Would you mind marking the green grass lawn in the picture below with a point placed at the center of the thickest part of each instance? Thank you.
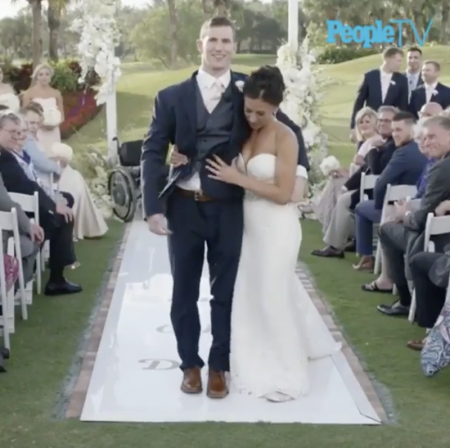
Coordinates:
(45, 346)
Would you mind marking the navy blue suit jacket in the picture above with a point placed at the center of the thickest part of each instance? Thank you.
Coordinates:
(369, 93)
(419, 98)
(174, 122)
(404, 168)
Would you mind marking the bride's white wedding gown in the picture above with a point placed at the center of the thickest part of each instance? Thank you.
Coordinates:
(275, 327)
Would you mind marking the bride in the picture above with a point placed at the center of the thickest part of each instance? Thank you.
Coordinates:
(275, 327)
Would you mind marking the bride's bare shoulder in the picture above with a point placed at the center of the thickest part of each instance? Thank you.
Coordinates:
(284, 133)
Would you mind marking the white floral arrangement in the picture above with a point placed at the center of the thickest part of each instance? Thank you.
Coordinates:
(97, 181)
(10, 101)
(99, 38)
(304, 86)
(329, 164)
(52, 117)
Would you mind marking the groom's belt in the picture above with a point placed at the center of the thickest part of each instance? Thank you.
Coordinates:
(198, 196)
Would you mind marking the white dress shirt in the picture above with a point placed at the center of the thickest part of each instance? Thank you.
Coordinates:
(211, 89)
(429, 90)
(413, 81)
(386, 79)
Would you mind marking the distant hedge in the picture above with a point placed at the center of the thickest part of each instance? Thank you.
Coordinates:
(336, 55)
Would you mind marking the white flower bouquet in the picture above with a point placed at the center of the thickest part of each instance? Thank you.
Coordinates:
(329, 164)
(52, 117)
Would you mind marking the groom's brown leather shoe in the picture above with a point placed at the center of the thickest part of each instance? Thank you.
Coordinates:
(192, 381)
(217, 385)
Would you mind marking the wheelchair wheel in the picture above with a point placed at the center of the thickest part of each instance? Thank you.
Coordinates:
(123, 194)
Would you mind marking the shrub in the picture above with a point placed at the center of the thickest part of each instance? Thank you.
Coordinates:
(79, 109)
(336, 55)
(65, 78)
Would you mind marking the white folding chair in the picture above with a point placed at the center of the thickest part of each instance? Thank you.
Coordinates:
(30, 204)
(436, 225)
(367, 183)
(8, 223)
(393, 193)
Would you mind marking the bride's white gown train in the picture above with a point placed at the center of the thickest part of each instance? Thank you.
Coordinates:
(275, 327)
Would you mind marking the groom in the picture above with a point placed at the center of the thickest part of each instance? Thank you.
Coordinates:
(202, 116)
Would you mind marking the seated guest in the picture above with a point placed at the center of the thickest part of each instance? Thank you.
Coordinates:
(383, 283)
(430, 110)
(430, 274)
(44, 167)
(324, 202)
(31, 235)
(385, 86)
(56, 218)
(89, 221)
(431, 90)
(403, 238)
(341, 226)
(366, 131)
(404, 168)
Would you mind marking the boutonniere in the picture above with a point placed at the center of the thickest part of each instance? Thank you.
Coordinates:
(393, 83)
(434, 92)
(240, 85)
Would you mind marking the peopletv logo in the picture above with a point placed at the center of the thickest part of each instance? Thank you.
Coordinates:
(367, 35)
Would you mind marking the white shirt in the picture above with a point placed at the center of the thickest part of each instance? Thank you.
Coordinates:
(429, 90)
(211, 89)
(413, 81)
(386, 79)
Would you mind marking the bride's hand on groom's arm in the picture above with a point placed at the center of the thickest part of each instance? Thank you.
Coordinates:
(219, 170)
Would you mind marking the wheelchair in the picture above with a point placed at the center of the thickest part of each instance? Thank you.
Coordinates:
(124, 181)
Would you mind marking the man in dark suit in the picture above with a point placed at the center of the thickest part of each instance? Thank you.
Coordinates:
(202, 116)
(404, 168)
(413, 69)
(405, 235)
(430, 274)
(55, 218)
(431, 90)
(383, 86)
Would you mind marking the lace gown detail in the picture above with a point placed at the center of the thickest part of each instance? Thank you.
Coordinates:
(276, 328)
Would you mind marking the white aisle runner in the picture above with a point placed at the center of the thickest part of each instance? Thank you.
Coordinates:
(136, 376)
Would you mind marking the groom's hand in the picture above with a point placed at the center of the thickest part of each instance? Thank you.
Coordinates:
(157, 224)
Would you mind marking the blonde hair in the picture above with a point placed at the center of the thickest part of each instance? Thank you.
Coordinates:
(41, 67)
(364, 112)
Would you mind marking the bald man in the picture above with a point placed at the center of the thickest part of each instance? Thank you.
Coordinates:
(430, 110)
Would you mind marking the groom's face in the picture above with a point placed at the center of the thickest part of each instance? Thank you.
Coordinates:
(217, 47)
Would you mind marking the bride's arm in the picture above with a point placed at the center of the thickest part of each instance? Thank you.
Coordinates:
(285, 172)
(60, 104)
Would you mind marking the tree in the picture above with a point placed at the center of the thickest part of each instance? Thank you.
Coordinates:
(36, 12)
(54, 14)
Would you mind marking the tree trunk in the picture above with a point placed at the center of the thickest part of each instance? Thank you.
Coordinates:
(173, 33)
(54, 13)
(36, 8)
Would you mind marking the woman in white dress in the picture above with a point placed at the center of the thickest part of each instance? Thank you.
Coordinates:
(52, 103)
(89, 221)
(275, 327)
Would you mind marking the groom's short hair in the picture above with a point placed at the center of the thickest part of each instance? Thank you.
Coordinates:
(216, 22)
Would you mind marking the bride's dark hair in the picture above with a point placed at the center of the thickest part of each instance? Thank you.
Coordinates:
(266, 83)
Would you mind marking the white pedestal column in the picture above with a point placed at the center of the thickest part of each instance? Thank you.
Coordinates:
(293, 23)
(111, 125)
